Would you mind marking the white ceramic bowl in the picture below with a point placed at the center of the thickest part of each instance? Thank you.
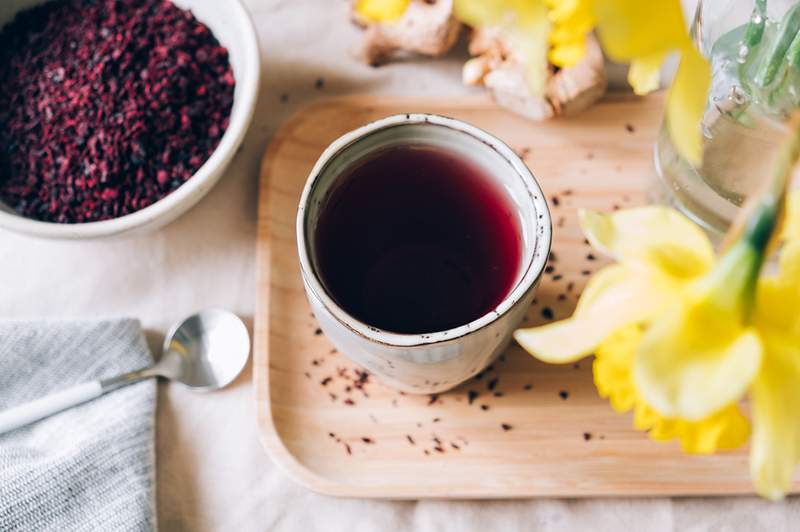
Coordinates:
(231, 24)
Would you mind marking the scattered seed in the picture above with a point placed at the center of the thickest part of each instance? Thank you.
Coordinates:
(527, 387)
(349, 402)
(317, 331)
(492, 384)
(547, 313)
(484, 407)
(587, 436)
(471, 396)
(410, 439)
(629, 128)
(319, 83)
(433, 398)
(563, 394)
(506, 427)
(326, 381)
(368, 441)
(347, 448)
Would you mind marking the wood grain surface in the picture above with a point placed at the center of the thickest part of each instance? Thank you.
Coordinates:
(520, 429)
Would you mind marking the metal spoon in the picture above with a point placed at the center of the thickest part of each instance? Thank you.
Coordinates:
(205, 352)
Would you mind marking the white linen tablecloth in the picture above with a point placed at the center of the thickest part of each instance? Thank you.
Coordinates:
(212, 471)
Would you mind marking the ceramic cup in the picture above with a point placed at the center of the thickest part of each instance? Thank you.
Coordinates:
(431, 362)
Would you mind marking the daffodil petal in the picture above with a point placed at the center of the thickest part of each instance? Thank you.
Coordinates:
(657, 236)
(791, 228)
(694, 360)
(572, 21)
(645, 73)
(686, 103)
(775, 446)
(631, 29)
(778, 296)
(613, 298)
(381, 10)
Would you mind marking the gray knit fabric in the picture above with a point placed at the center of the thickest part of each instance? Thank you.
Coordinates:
(89, 468)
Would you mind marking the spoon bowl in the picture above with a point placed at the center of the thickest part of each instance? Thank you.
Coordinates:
(206, 351)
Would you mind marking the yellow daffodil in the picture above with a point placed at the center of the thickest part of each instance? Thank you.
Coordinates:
(681, 338)
(723, 430)
(661, 257)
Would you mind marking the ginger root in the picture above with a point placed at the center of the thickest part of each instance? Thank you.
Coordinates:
(567, 91)
(426, 27)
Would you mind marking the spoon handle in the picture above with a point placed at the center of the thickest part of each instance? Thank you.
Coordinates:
(22, 415)
(46, 406)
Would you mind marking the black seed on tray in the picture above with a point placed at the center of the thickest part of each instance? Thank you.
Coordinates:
(492, 384)
(484, 407)
(317, 331)
(547, 313)
(563, 394)
(471, 396)
(506, 427)
(587, 436)
(410, 439)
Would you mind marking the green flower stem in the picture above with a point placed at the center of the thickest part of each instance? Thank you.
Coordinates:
(755, 30)
(771, 66)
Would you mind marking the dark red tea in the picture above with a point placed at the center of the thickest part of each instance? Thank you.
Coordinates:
(417, 239)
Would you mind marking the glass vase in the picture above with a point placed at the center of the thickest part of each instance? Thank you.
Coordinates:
(754, 50)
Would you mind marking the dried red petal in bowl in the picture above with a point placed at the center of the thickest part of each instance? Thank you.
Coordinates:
(106, 106)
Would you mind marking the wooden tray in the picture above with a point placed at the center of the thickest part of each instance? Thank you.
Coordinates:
(532, 429)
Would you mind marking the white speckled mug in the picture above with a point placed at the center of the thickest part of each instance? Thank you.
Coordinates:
(430, 362)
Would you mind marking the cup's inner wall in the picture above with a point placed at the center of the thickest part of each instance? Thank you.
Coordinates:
(464, 144)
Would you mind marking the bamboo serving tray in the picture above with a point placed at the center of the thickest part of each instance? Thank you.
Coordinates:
(520, 429)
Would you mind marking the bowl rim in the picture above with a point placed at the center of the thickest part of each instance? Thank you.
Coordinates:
(532, 269)
(189, 193)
